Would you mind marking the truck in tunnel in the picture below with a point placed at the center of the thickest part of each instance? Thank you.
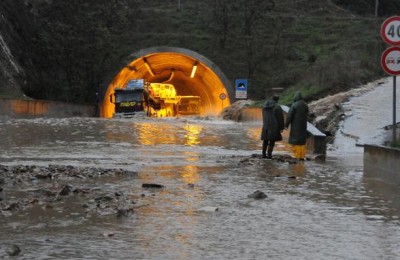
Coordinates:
(128, 102)
(189, 105)
(153, 100)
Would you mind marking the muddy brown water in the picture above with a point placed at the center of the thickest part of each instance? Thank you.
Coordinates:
(326, 210)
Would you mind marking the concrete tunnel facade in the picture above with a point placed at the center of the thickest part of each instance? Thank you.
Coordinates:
(191, 73)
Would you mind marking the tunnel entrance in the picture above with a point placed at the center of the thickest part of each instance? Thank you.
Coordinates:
(191, 74)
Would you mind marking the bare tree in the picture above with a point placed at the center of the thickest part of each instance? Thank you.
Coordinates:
(222, 11)
(254, 12)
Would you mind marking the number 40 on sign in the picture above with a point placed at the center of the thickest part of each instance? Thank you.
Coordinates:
(390, 30)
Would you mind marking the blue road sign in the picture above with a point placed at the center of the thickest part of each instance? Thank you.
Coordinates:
(135, 83)
(241, 88)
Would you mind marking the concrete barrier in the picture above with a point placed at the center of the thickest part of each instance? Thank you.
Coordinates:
(251, 114)
(382, 163)
(38, 108)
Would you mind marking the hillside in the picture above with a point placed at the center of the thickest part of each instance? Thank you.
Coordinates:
(66, 50)
(16, 32)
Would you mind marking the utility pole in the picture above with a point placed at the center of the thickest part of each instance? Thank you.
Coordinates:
(179, 5)
(376, 7)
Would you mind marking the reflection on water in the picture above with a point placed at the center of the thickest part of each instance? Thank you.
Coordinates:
(298, 169)
(313, 210)
(151, 134)
(253, 131)
(192, 135)
(190, 174)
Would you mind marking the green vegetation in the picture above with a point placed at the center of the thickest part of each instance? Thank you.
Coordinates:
(395, 144)
(319, 47)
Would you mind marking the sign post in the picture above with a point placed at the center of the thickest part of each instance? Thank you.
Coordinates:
(390, 61)
(394, 109)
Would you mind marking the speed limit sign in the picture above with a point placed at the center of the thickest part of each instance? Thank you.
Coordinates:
(390, 30)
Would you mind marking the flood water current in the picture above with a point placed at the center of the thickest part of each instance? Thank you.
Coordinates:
(325, 210)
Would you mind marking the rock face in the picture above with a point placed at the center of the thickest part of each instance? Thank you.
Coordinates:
(17, 35)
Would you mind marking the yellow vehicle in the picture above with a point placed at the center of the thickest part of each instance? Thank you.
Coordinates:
(161, 99)
(188, 105)
(162, 91)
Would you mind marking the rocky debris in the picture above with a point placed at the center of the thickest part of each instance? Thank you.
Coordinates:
(388, 127)
(257, 195)
(326, 113)
(47, 187)
(319, 157)
(13, 207)
(118, 194)
(103, 199)
(291, 177)
(13, 250)
(108, 234)
(32, 172)
(66, 190)
(209, 209)
(234, 112)
(152, 186)
(124, 212)
(350, 135)
(45, 192)
(82, 191)
(43, 176)
(281, 158)
(121, 207)
(248, 161)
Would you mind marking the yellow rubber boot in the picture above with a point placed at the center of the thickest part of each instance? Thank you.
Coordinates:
(302, 152)
(299, 151)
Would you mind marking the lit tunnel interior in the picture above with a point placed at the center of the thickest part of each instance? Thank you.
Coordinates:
(191, 74)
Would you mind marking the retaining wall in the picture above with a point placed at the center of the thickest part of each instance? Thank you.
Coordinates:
(38, 108)
(382, 163)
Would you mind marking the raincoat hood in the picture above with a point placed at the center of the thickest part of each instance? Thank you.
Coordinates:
(269, 104)
(297, 96)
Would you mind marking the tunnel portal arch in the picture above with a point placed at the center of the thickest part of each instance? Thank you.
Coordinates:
(174, 66)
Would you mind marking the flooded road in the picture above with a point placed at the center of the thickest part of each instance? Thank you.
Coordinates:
(314, 210)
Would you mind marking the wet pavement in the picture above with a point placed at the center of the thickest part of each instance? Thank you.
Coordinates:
(313, 210)
(365, 117)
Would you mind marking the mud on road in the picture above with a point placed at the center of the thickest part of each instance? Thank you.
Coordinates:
(25, 187)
